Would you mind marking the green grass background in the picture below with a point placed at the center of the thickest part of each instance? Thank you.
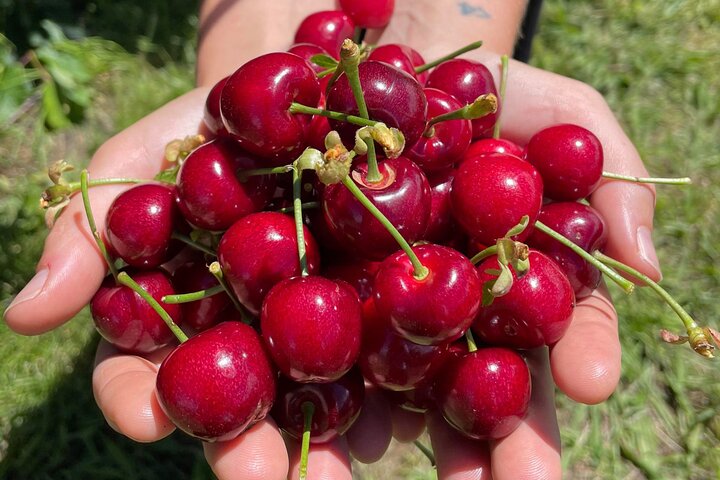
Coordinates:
(656, 61)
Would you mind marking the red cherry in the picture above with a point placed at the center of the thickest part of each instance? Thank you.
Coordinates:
(312, 328)
(491, 193)
(569, 159)
(403, 196)
(212, 117)
(441, 226)
(392, 97)
(585, 227)
(535, 312)
(255, 100)
(126, 320)
(402, 57)
(494, 145)
(369, 13)
(358, 272)
(307, 51)
(259, 251)
(209, 194)
(326, 29)
(193, 276)
(484, 394)
(218, 383)
(337, 406)
(466, 80)
(433, 310)
(140, 223)
(447, 141)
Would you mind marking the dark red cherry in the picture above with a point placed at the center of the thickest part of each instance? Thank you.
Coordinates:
(392, 97)
(358, 272)
(491, 193)
(484, 394)
(584, 226)
(400, 56)
(403, 196)
(140, 223)
(211, 116)
(441, 225)
(336, 406)
(126, 320)
(193, 276)
(209, 193)
(326, 29)
(391, 361)
(259, 251)
(569, 159)
(369, 13)
(436, 309)
(319, 126)
(535, 312)
(445, 142)
(494, 145)
(255, 100)
(312, 328)
(466, 80)
(218, 383)
(307, 51)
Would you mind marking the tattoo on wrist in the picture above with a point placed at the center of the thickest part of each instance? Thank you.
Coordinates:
(467, 9)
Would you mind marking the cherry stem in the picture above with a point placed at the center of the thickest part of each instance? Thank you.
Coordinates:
(192, 296)
(73, 187)
(91, 223)
(426, 451)
(696, 335)
(326, 72)
(624, 283)
(420, 271)
(658, 180)
(243, 174)
(449, 56)
(503, 86)
(472, 346)
(217, 272)
(192, 243)
(306, 205)
(341, 117)
(483, 105)
(297, 211)
(483, 254)
(125, 279)
(350, 59)
(308, 410)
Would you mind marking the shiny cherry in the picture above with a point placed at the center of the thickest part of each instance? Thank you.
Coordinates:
(441, 225)
(466, 80)
(326, 29)
(402, 57)
(307, 51)
(484, 394)
(192, 276)
(211, 116)
(569, 159)
(126, 320)
(312, 328)
(209, 192)
(535, 312)
(369, 13)
(491, 193)
(494, 145)
(336, 406)
(403, 196)
(218, 383)
(584, 226)
(260, 250)
(436, 309)
(255, 100)
(358, 272)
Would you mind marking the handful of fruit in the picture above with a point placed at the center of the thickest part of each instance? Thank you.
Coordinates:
(355, 217)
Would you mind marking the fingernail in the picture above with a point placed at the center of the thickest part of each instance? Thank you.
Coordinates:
(31, 290)
(646, 250)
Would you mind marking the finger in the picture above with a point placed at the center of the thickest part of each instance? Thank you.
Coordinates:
(326, 461)
(532, 451)
(370, 435)
(406, 426)
(257, 454)
(71, 267)
(586, 360)
(124, 389)
(457, 457)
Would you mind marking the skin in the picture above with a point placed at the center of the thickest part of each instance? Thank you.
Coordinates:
(585, 364)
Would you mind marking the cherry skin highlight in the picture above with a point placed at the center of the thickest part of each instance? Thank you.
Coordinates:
(326, 29)
(369, 13)
(400, 56)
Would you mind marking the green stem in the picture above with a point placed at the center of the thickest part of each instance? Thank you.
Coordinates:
(192, 296)
(341, 117)
(658, 180)
(419, 270)
(297, 212)
(483, 105)
(450, 56)
(192, 243)
(472, 346)
(93, 227)
(75, 186)
(124, 279)
(243, 174)
(217, 272)
(483, 254)
(306, 205)
(625, 284)
(426, 451)
(308, 410)
(503, 86)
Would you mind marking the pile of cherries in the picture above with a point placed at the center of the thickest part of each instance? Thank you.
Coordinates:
(326, 237)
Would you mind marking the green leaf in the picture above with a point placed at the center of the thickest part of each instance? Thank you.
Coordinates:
(325, 61)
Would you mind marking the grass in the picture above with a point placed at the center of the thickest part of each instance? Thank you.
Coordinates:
(656, 62)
